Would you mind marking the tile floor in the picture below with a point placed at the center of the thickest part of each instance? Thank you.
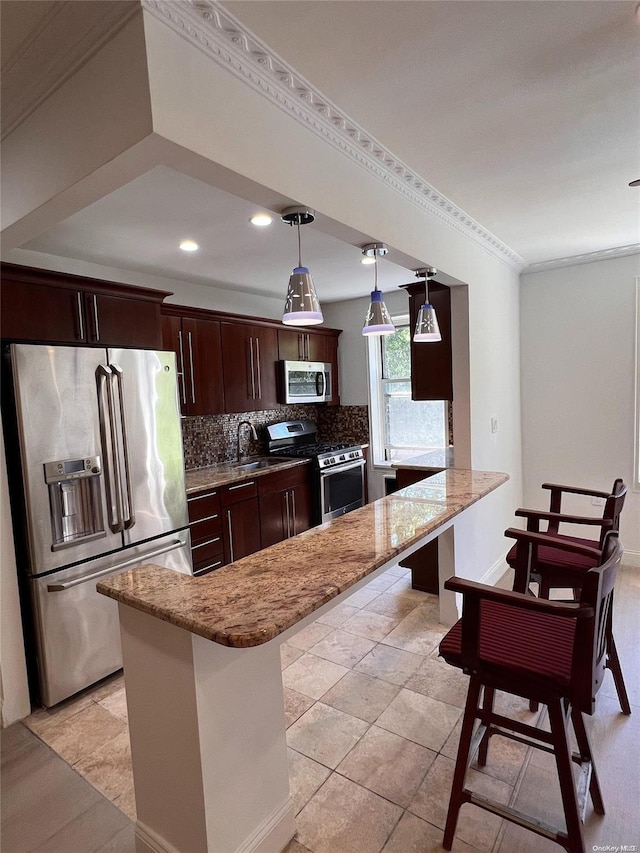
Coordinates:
(373, 719)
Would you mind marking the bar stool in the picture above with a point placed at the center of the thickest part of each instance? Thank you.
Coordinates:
(551, 652)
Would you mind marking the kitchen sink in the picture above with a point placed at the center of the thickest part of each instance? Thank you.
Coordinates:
(255, 464)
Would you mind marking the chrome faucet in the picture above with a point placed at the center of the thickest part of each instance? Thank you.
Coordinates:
(253, 433)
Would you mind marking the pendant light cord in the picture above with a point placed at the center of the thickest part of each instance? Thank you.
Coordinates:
(299, 245)
(375, 274)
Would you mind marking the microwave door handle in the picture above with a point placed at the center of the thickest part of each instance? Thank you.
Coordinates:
(321, 387)
(109, 449)
(130, 519)
(141, 558)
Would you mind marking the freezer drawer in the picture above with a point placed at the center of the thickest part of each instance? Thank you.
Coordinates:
(77, 629)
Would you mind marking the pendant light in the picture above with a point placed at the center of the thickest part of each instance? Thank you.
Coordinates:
(427, 329)
(378, 321)
(302, 306)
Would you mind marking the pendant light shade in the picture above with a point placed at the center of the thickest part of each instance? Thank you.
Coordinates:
(302, 306)
(378, 320)
(427, 329)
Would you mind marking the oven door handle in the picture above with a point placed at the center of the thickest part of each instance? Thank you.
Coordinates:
(347, 466)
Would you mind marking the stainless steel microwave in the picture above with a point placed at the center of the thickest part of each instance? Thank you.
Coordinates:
(305, 382)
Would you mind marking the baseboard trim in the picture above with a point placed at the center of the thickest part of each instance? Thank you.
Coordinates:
(495, 572)
(631, 558)
(274, 833)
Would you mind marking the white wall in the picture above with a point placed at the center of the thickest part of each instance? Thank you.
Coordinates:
(577, 332)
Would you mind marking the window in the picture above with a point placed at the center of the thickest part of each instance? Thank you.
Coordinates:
(400, 426)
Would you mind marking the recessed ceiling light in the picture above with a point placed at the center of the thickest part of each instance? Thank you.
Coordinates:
(261, 220)
(189, 246)
(635, 183)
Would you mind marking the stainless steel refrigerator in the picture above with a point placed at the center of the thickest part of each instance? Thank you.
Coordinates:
(102, 490)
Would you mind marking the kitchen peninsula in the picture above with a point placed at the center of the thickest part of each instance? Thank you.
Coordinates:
(206, 718)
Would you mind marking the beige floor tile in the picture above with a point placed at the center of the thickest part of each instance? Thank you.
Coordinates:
(305, 777)
(361, 696)
(373, 626)
(309, 636)
(416, 633)
(79, 737)
(312, 676)
(107, 686)
(288, 654)
(382, 582)
(389, 663)
(294, 846)
(403, 587)
(440, 681)
(362, 597)
(343, 648)
(395, 606)
(413, 835)
(44, 719)
(420, 718)
(337, 615)
(108, 768)
(387, 765)
(325, 734)
(116, 704)
(475, 826)
(295, 704)
(345, 818)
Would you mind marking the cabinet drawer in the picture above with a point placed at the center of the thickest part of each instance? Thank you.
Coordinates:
(204, 505)
(207, 556)
(205, 528)
(277, 481)
(238, 492)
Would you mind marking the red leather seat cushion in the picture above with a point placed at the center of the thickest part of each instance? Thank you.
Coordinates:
(518, 640)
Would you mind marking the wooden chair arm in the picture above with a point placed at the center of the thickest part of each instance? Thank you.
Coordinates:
(536, 538)
(574, 490)
(557, 517)
(479, 591)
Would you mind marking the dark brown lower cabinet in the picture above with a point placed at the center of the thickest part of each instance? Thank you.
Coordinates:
(285, 504)
(423, 562)
(241, 530)
(205, 525)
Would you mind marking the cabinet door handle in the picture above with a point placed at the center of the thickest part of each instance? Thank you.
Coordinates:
(206, 518)
(286, 500)
(182, 376)
(193, 383)
(80, 317)
(241, 486)
(230, 528)
(95, 317)
(300, 347)
(258, 368)
(293, 506)
(306, 344)
(201, 497)
(204, 544)
(253, 378)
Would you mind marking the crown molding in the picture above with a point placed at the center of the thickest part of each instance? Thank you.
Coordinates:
(215, 31)
(66, 37)
(587, 258)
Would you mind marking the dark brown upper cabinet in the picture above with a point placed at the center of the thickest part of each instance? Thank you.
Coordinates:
(250, 355)
(431, 363)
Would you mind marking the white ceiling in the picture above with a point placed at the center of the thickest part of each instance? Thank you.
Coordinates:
(525, 114)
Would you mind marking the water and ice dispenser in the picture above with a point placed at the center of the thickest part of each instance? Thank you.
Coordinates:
(74, 500)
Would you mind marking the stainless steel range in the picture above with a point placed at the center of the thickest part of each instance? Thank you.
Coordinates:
(338, 468)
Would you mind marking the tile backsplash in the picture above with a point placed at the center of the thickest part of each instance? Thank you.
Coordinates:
(211, 440)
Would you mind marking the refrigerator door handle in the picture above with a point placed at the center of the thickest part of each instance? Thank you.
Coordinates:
(60, 587)
(109, 449)
(130, 518)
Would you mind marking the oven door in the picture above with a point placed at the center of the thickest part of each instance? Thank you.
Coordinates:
(341, 489)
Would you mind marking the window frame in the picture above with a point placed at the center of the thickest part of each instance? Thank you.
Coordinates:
(636, 433)
(376, 400)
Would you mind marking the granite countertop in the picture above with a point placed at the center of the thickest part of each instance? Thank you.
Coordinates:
(199, 479)
(441, 458)
(253, 600)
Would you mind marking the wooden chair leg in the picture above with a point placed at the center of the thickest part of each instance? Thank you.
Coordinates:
(488, 696)
(562, 750)
(584, 748)
(462, 761)
(613, 663)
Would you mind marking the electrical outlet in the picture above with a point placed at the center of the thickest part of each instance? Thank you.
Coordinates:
(494, 425)
(597, 501)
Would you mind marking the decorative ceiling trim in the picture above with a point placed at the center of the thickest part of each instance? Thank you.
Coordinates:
(587, 258)
(67, 36)
(211, 28)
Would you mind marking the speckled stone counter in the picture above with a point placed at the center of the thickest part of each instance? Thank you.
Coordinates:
(257, 598)
(441, 458)
(199, 479)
